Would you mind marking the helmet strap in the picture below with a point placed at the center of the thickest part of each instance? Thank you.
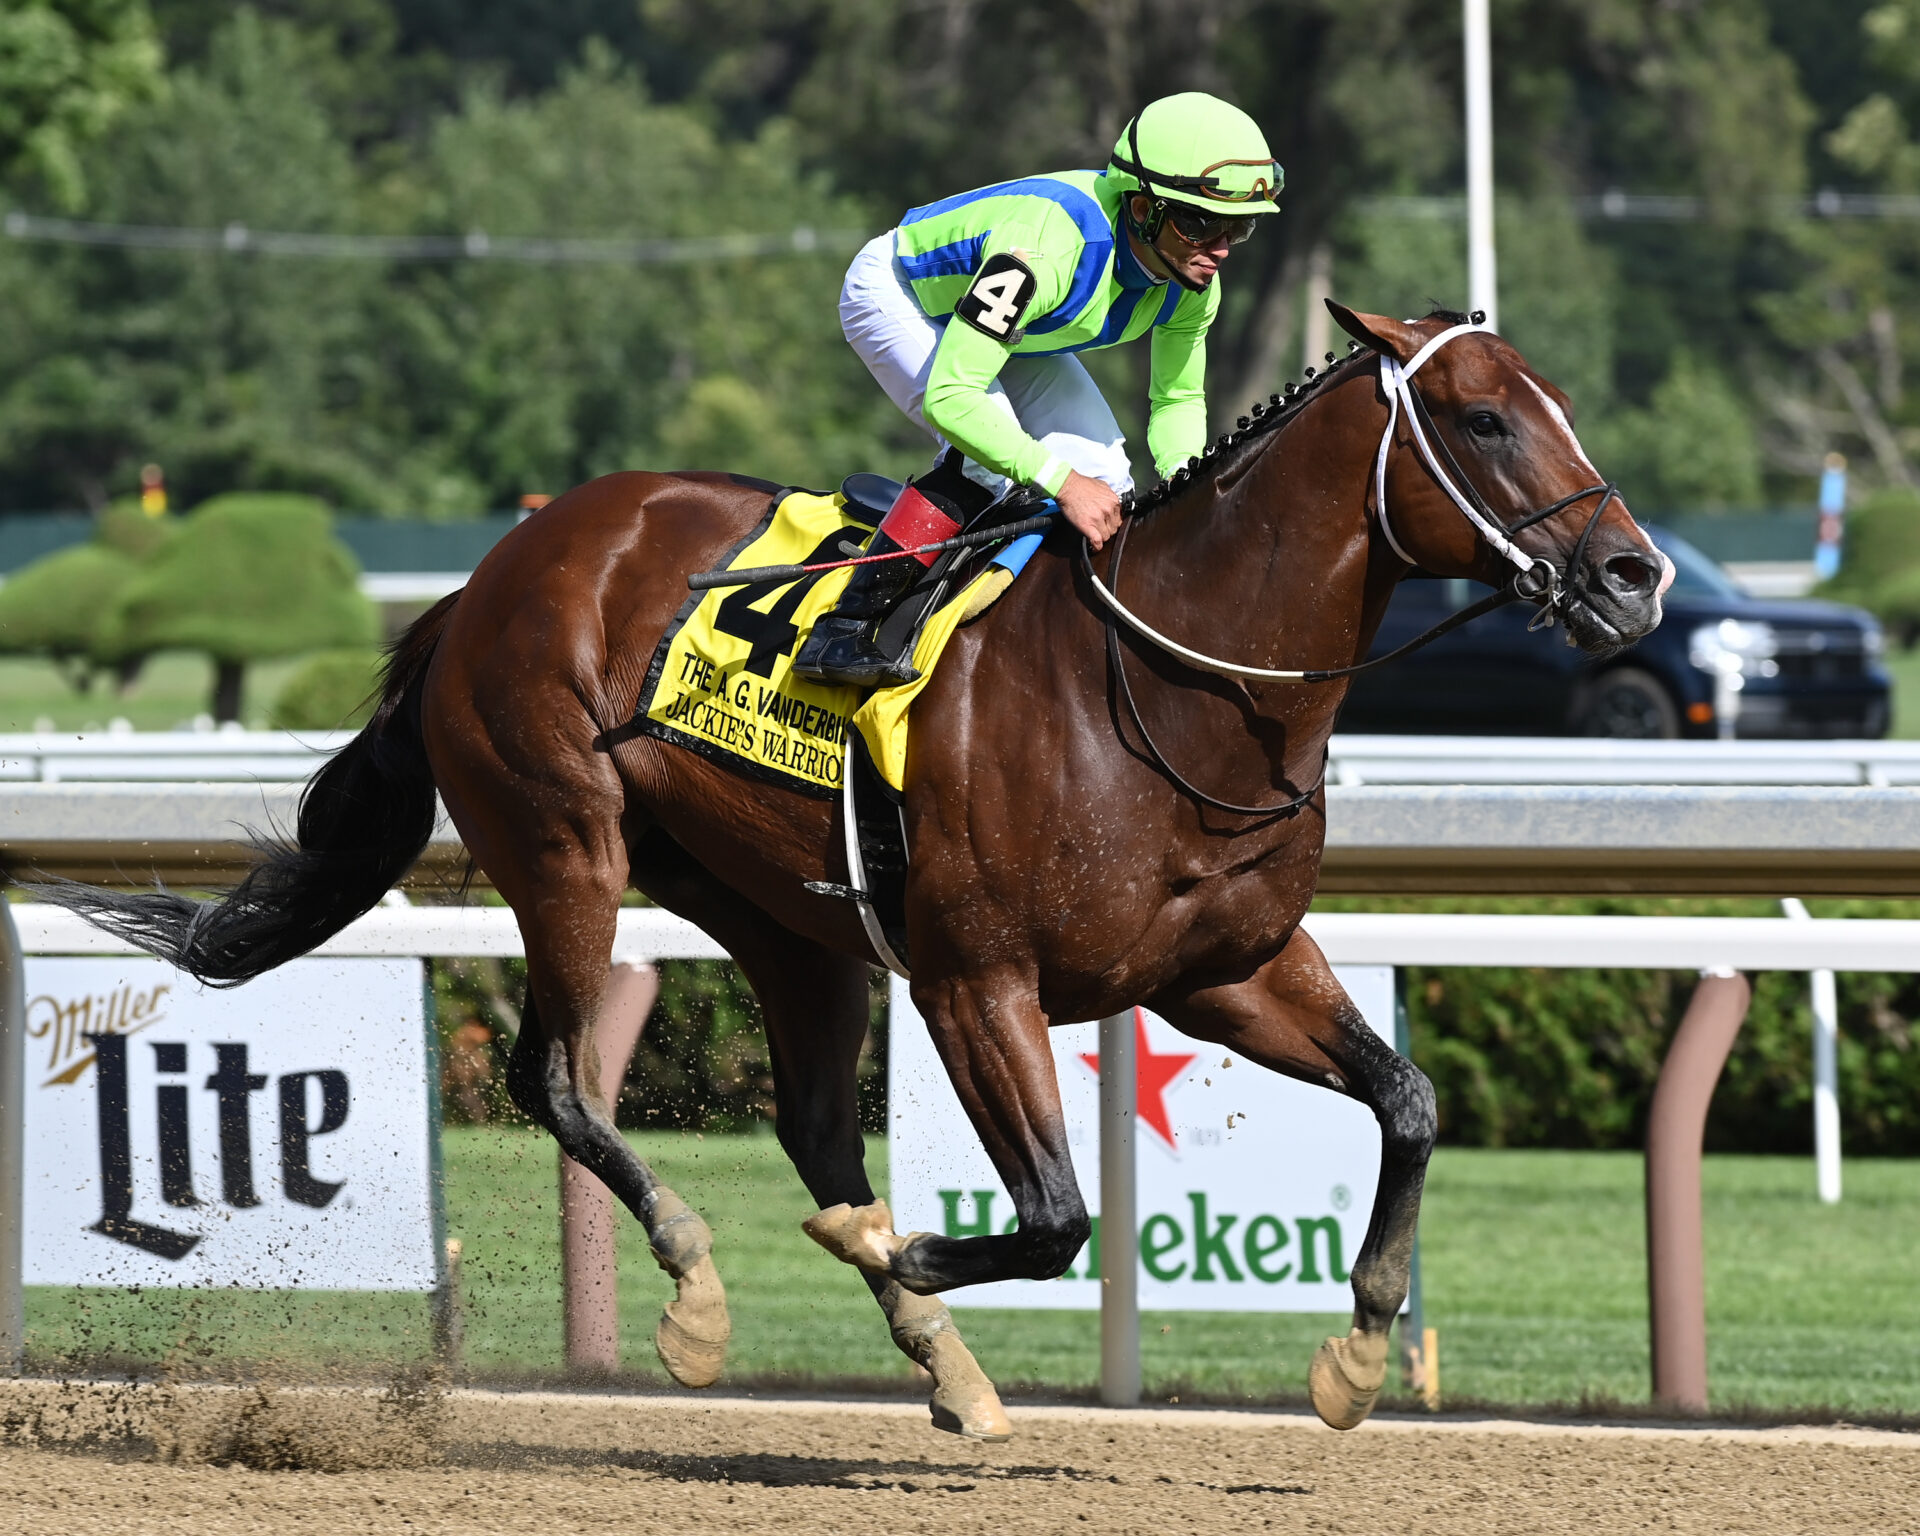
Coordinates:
(1139, 166)
(1146, 230)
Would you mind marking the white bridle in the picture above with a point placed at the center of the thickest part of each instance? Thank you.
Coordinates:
(1397, 380)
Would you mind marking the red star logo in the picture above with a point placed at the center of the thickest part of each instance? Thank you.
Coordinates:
(1151, 1075)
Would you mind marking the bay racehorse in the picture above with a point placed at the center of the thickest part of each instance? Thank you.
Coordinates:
(1094, 821)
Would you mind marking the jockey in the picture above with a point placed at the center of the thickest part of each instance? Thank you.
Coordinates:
(1036, 270)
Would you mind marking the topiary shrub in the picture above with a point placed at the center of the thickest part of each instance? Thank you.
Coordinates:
(1880, 564)
(123, 526)
(1896, 603)
(332, 690)
(56, 607)
(247, 577)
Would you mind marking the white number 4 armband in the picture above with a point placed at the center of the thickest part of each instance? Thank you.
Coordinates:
(997, 301)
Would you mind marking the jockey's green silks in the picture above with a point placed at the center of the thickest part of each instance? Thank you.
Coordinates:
(1089, 292)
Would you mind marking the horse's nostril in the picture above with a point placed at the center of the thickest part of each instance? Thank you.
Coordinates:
(1631, 575)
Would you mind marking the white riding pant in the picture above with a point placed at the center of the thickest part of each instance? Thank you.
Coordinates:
(1054, 399)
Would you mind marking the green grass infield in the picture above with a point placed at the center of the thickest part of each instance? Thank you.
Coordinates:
(1534, 1273)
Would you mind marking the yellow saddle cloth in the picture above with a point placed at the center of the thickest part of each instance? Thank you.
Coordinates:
(721, 682)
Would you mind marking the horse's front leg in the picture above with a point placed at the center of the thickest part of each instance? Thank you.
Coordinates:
(992, 1038)
(1294, 1017)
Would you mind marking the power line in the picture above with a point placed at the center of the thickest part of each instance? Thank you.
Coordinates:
(1611, 206)
(475, 245)
(1616, 206)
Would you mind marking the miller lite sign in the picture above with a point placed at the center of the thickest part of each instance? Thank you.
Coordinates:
(1254, 1191)
(274, 1135)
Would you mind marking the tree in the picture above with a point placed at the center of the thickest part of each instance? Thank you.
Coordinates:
(444, 388)
(511, 378)
(1846, 326)
(68, 68)
(248, 577)
(1358, 97)
(231, 369)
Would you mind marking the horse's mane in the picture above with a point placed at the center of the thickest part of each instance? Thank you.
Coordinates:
(1243, 438)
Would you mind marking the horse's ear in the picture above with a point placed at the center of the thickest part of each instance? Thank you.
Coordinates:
(1394, 337)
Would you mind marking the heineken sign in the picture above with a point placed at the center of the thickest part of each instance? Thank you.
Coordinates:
(1254, 1190)
(272, 1135)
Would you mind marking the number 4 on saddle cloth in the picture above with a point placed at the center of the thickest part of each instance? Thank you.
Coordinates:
(722, 683)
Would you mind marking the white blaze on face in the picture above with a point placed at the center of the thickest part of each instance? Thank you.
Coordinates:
(1560, 418)
(1580, 458)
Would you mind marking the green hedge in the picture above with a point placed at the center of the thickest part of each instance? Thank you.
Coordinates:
(701, 1065)
(1568, 1058)
(1538, 1058)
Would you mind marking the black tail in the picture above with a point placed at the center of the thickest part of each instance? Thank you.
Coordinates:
(364, 819)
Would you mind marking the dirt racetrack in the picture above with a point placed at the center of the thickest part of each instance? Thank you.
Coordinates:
(205, 1462)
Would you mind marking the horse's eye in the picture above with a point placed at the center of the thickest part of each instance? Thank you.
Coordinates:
(1484, 424)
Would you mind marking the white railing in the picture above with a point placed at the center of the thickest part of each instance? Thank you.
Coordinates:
(1347, 938)
(1704, 944)
(225, 756)
(233, 755)
(643, 933)
(1359, 760)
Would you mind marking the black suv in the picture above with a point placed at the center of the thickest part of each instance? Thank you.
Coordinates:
(1803, 668)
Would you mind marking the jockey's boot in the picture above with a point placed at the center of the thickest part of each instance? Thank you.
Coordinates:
(841, 648)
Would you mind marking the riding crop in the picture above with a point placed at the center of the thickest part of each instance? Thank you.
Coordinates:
(759, 575)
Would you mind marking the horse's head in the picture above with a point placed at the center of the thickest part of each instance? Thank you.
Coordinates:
(1503, 436)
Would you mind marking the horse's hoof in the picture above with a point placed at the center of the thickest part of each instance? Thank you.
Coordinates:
(964, 1402)
(1346, 1377)
(859, 1235)
(974, 1415)
(964, 1399)
(694, 1328)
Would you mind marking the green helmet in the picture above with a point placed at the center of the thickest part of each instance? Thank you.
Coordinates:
(1195, 148)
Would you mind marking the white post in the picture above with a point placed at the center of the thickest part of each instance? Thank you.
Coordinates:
(1318, 327)
(1482, 281)
(1826, 1087)
(13, 1144)
(1826, 1073)
(1119, 1219)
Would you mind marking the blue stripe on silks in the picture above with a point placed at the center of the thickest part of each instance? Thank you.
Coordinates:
(1170, 305)
(1087, 273)
(1118, 319)
(1083, 209)
(1127, 271)
(955, 260)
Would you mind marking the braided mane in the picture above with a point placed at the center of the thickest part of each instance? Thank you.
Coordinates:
(1235, 444)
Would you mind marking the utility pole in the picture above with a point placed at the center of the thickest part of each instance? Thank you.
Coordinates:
(1483, 288)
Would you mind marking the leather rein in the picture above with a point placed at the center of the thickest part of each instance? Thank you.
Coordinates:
(1536, 579)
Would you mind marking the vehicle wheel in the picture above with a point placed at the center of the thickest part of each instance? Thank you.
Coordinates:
(1628, 702)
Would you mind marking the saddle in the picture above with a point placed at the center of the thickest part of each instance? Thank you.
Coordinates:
(724, 681)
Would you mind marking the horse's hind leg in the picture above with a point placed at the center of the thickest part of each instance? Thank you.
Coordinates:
(1294, 1017)
(552, 1076)
(815, 1004)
